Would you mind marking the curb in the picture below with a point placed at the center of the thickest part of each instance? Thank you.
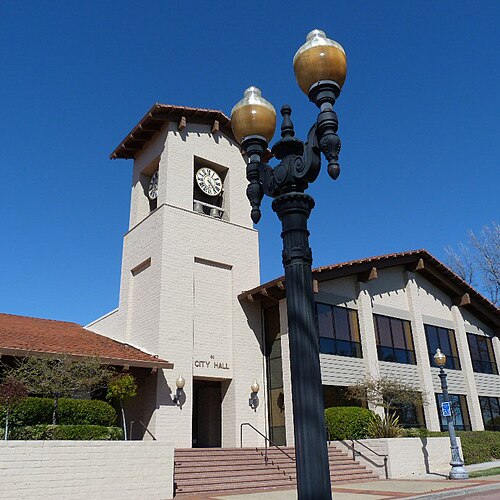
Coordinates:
(456, 493)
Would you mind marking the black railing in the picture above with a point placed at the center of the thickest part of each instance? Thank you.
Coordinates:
(266, 440)
(357, 453)
(132, 422)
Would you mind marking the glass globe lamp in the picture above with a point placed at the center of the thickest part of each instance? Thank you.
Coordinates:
(180, 382)
(319, 59)
(255, 387)
(253, 115)
(439, 358)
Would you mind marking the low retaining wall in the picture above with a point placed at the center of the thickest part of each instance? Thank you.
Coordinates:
(406, 456)
(86, 469)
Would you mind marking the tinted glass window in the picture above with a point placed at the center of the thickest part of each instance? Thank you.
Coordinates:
(338, 331)
(490, 409)
(482, 355)
(443, 339)
(459, 411)
(394, 340)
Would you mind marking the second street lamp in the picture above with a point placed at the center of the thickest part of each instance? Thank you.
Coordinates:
(457, 464)
(320, 69)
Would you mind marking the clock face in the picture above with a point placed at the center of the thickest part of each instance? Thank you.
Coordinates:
(153, 186)
(209, 181)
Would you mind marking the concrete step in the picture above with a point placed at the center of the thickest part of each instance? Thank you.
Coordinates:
(228, 470)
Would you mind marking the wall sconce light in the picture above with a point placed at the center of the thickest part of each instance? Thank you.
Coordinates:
(179, 393)
(253, 402)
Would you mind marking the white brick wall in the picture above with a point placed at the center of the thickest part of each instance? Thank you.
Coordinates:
(184, 307)
(71, 470)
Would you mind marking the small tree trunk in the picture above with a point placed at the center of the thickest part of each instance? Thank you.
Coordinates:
(6, 425)
(54, 412)
(124, 423)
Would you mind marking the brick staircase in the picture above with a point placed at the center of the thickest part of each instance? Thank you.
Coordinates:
(212, 471)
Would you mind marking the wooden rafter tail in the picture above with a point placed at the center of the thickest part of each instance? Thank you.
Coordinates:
(462, 300)
(371, 274)
(182, 123)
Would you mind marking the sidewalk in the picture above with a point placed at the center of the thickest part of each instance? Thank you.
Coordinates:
(422, 487)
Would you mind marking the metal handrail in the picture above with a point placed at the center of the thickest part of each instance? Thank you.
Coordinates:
(132, 422)
(359, 453)
(267, 440)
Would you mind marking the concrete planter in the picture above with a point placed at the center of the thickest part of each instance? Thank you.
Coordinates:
(405, 456)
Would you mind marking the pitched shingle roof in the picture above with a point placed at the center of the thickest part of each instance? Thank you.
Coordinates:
(22, 336)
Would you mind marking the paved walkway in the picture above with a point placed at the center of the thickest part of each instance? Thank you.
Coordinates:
(388, 489)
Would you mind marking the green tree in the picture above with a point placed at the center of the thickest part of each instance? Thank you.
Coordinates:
(121, 388)
(386, 392)
(60, 376)
(11, 392)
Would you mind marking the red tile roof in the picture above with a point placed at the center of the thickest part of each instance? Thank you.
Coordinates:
(22, 335)
(157, 116)
(431, 268)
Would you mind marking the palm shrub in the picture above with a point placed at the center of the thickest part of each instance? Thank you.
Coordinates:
(387, 427)
(347, 422)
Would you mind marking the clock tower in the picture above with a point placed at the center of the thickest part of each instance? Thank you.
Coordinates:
(190, 250)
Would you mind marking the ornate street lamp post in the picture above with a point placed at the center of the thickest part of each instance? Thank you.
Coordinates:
(457, 464)
(320, 69)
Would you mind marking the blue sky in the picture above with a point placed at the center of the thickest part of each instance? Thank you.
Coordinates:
(418, 122)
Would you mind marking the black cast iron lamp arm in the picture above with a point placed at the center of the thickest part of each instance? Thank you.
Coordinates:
(300, 163)
(320, 68)
(457, 464)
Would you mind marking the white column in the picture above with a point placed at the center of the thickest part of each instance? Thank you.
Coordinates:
(367, 336)
(476, 418)
(421, 353)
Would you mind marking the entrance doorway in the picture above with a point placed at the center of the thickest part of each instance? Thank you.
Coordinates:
(207, 415)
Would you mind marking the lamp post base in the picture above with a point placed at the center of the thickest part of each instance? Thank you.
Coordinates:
(458, 473)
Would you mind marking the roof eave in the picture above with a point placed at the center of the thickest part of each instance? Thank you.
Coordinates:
(431, 269)
(154, 120)
(105, 360)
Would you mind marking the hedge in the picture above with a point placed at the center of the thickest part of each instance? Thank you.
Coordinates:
(65, 432)
(35, 411)
(477, 446)
(347, 422)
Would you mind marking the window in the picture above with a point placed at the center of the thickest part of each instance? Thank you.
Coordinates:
(443, 339)
(410, 415)
(482, 355)
(334, 395)
(276, 406)
(459, 412)
(490, 409)
(394, 340)
(338, 331)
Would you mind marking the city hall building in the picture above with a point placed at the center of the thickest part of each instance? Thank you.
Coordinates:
(190, 294)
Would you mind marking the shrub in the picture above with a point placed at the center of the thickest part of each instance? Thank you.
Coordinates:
(36, 411)
(415, 432)
(86, 411)
(347, 422)
(477, 446)
(32, 411)
(387, 427)
(67, 432)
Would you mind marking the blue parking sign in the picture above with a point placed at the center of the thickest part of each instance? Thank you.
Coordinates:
(446, 409)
